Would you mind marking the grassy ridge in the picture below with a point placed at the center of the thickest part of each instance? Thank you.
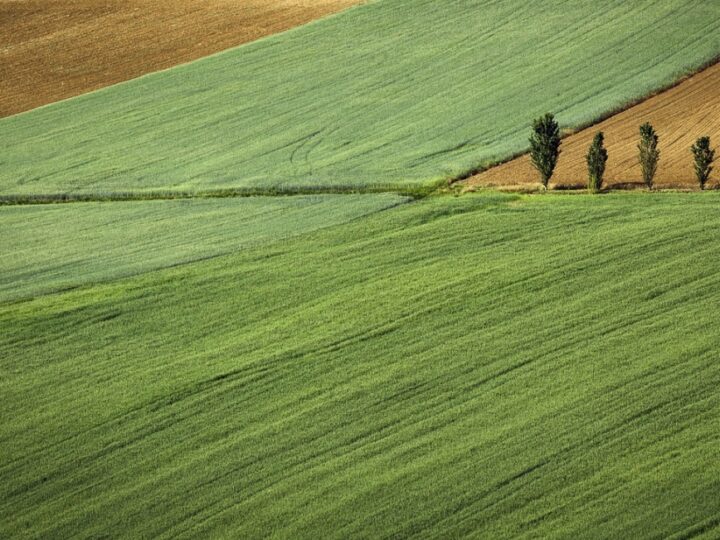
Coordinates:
(485, 365)
(394, 91)
(56, 247)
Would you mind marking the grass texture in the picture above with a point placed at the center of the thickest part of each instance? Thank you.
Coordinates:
(489, 365)
(395, 91)
(55, 247)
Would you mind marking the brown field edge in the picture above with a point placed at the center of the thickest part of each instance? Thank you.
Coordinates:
(680, 115)
(53, 50)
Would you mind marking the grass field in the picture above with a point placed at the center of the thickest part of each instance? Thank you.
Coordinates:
(397, 91)
(491, 365)
(354, 365)
(56, 247)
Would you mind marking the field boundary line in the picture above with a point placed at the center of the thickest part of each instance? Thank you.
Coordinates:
(414, 192)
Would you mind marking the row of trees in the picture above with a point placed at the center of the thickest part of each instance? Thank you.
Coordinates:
(545, 150)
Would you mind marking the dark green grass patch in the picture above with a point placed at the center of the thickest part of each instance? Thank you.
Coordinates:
(489, 365)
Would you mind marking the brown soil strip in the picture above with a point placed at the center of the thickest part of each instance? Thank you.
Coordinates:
(680, 115)
(52, 50)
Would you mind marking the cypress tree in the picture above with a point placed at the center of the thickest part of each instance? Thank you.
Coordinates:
(704, 158)
(596, 159)
(545, 146)
(649, 153)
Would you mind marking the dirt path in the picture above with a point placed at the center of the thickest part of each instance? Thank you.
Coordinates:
(680, 115)
(51, 50)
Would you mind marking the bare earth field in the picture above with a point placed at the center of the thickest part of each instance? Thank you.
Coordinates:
(680, 115)
(54, 50)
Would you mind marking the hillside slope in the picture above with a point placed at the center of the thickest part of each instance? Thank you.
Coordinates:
(491, 366)
(59, 247)
(55, 50)
(396, 91)
(680, 116)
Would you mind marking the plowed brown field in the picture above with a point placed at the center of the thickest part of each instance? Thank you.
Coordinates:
(680, 115)
(51, 50)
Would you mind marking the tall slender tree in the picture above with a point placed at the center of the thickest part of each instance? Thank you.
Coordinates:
(704, 158)
(596, 159)
(545, 146)
(649, 153)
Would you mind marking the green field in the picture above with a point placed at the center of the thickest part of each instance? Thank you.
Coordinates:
(178, 361)
(392, 92)
(56, 247)
(490, 365)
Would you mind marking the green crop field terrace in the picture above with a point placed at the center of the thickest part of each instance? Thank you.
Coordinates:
(181, 360)
(389, 93)
(490, 365)
(56, 247)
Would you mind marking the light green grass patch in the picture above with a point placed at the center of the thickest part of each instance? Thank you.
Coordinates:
(393, 92)
(52, 247)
